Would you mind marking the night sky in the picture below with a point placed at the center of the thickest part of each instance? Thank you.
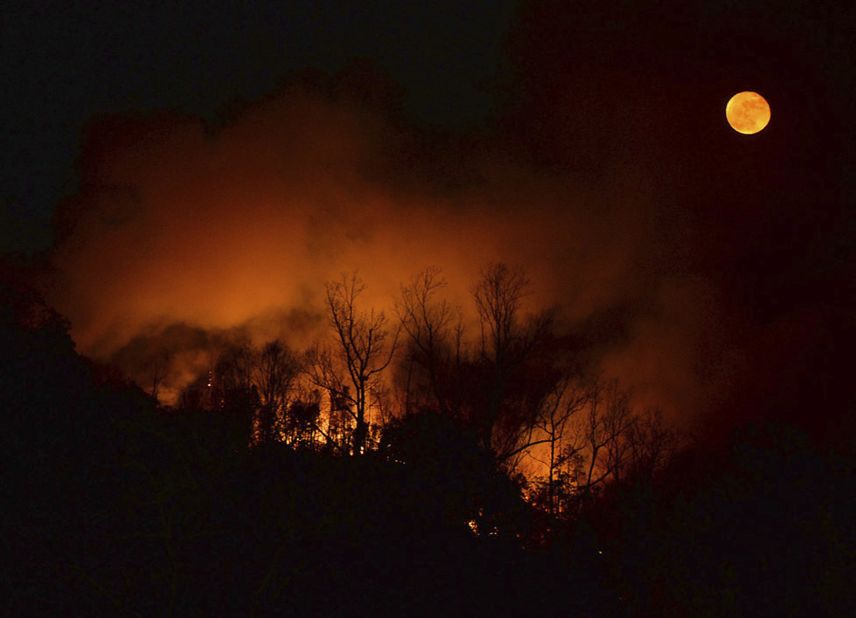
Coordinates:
(711, 271)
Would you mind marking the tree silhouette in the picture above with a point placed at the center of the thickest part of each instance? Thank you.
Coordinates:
(364, 347)
(302, 421)
(114, 505)
(434, 341)
(510, 351)
(553, 428)
(275, 372)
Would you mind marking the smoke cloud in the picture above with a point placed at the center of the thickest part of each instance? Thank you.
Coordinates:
(185, 234)
(182, 236)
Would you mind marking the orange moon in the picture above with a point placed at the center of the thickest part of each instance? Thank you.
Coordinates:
(747, 112)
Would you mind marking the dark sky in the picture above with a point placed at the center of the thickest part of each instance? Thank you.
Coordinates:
(65, 62)
(586, 141)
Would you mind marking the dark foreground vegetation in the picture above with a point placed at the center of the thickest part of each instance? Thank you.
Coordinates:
(114, 506)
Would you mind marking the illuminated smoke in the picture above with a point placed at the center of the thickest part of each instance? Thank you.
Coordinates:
(182, 238)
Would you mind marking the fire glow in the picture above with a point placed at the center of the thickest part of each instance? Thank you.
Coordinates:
(179, 239)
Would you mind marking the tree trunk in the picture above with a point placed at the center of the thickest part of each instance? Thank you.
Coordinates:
(360, 433)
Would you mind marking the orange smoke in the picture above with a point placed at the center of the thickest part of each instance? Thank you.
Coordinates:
(180, 235)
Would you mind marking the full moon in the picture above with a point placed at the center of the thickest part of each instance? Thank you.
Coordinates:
(747, 112)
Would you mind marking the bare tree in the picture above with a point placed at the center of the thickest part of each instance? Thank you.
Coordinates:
(364, 347)
(432, 332)
(498, 296)
(552, 430)
(275, 371)
(593, 436)
(507, 342)
(231, 381)
(322, 370)
(618, 421)
(604, 431)
(650, 444)
(302, 420)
